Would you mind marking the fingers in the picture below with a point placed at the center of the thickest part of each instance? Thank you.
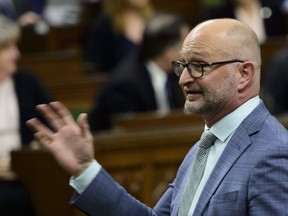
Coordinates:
(42, 133)
(37, 126)
(51, 117)
(56, 114)
(62, 111)
(82, 122)
(57, 117)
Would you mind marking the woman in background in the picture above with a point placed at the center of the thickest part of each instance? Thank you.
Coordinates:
(20, 92)
(115, 33)
(265, 17)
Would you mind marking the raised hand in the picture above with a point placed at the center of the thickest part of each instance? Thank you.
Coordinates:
(70, 142)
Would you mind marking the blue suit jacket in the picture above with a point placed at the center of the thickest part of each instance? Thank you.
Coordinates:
(250, 178)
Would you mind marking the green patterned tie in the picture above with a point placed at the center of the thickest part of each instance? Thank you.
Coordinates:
(206, 141)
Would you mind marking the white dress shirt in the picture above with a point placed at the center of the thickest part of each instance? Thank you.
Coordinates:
(9, 124)
(159, 79)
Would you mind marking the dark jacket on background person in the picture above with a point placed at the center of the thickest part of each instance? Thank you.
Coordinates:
(130, 89)
(30, 92)
(105, 46)
(275, 83)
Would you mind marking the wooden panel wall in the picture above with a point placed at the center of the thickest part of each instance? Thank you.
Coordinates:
(62, 74)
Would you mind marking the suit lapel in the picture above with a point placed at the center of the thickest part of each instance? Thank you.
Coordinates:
(231, 153)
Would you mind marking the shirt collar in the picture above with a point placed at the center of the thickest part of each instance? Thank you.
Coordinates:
(228, 124)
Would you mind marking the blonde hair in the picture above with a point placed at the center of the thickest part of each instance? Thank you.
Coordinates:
(115, 9)
(9, 32)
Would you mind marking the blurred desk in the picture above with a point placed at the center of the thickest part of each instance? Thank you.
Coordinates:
(46, 182)
(154, 120)
(58, 38)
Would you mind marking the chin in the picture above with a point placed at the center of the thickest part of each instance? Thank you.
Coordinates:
(193, 108)
(189, 108)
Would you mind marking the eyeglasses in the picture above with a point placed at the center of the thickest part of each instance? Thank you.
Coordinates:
(196, 69)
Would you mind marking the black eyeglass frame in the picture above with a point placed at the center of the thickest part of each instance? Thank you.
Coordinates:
(202, 65)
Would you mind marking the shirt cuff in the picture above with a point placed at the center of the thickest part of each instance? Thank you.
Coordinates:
(81, 182)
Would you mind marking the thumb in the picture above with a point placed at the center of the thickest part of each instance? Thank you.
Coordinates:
(83, 124)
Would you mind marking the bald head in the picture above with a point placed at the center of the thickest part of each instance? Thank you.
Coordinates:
(228, 37)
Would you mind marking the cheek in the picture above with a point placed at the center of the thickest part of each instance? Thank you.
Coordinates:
(221, 85)
(228, 87)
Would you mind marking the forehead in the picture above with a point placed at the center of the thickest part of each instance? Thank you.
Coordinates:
(198, 46)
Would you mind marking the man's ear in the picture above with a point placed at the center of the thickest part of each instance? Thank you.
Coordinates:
(247, 71)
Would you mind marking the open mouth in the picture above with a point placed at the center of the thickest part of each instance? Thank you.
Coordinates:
(192, 94)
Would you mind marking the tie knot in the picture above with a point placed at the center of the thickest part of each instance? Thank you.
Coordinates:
(207, 139)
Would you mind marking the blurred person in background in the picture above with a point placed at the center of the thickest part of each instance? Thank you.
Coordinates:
(144, 81)
(25, 12)
(115, 33)
(275, 83)
(20, 92)
(265, 17)
(59, 13)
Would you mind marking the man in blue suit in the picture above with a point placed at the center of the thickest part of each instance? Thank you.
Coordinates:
(247, 166)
